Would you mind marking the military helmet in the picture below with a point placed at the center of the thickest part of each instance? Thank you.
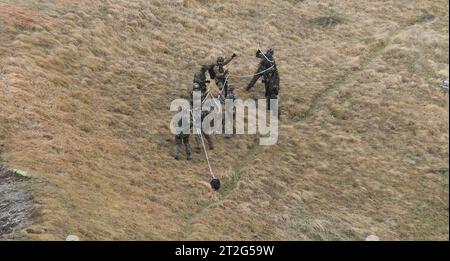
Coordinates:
(196, 86)
(220, 59)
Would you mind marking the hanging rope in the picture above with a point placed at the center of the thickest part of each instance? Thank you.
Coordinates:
(199, 133)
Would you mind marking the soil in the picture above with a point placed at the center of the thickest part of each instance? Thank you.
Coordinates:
(15, 202)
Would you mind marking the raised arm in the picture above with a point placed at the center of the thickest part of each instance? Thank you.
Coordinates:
(227, 61)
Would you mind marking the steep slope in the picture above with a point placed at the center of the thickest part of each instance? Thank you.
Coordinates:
(86, 88)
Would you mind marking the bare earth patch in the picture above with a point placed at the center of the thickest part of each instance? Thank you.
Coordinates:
(15, 203)
(85, 91)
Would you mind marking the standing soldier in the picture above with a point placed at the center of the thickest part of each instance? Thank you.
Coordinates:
(219, 73)
(268, 70)
(180, 139)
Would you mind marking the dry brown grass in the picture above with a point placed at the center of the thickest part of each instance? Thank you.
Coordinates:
(363, 149)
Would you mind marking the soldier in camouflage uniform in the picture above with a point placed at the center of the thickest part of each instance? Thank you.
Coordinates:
(198, 88)
(180, 139)
(219, 73)
(267, 69)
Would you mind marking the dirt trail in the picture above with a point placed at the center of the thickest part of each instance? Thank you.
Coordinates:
(344, 78)
(347, 76)
(86, 109)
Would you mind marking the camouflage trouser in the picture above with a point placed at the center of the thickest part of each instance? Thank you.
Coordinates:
(198, 141)
(273, 96)
(179, 140)
(270, 96)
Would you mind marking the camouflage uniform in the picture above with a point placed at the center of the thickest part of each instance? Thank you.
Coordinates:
(220, 74)
(267, 69)
(180, 139)
(271, 82)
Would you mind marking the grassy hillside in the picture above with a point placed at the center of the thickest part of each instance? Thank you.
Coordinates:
(85, 90)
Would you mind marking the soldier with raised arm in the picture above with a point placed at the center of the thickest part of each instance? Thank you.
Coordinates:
(219, 73)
